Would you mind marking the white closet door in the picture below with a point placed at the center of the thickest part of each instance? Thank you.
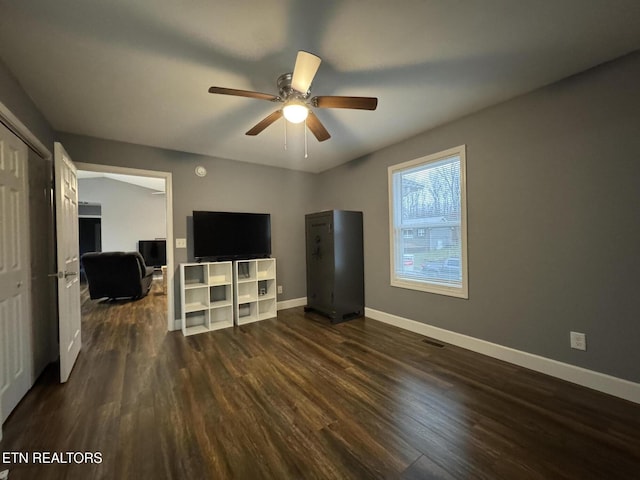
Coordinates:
(15, 315)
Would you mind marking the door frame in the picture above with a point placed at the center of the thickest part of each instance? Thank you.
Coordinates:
(167, 176)
(13, 123)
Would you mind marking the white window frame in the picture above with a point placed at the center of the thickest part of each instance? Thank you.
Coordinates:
(395, 233)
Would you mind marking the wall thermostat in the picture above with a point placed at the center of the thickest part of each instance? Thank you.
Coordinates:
(201, 171)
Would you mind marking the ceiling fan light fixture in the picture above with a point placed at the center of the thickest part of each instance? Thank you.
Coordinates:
(295, 111)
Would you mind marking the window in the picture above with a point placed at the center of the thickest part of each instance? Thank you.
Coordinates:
(428, 196)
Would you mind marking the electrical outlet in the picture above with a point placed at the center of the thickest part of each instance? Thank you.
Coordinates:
(279, 289)
(181, 243)
(578, 340)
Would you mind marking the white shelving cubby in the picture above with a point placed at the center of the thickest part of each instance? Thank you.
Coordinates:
(206, 296)
(255, 290)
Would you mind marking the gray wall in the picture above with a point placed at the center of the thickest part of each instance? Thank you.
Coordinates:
(16, 99)
(553, 184)
(129, 212)
(228, 186)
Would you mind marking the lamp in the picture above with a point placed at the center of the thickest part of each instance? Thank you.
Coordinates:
(295, 111)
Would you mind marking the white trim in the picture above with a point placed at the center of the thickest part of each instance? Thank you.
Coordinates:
(167, 176)
(587, 378)
(426, 285)
(294, 302)
(23, 133)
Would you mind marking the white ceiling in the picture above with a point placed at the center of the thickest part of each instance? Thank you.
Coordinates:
(138, 71)
(152, 183)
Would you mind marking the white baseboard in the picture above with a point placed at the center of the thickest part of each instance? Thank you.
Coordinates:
(294, 302)
(587, 378)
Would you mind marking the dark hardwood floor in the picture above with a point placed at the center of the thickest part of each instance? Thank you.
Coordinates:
(298, 398)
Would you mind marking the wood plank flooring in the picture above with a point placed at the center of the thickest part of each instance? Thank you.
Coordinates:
(298, 398)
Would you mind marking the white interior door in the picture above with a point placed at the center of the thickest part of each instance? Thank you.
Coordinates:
(15, 316)
(66, 188)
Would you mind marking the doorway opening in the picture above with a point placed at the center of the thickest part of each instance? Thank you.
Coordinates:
(159, 186)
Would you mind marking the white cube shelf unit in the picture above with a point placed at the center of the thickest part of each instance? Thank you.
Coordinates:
(255, 290)
(206, 296)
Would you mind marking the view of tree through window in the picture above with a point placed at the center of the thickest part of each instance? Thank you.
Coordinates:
(432, 191)
(427, 222)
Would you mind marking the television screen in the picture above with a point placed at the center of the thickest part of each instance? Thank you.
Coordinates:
(231, 236)
(154, 252)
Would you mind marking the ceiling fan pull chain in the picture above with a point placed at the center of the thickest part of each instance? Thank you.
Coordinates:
(305, 139)
(285, 134)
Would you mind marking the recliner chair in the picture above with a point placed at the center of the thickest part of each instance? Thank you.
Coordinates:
(117, 274)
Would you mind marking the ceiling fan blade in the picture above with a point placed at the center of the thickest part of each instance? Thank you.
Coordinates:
(305, 69)
(316, 127)
(265, 122)
(358, 103)
(243, 93)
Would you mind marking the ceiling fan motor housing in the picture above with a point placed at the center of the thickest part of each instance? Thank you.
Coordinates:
(286, 92)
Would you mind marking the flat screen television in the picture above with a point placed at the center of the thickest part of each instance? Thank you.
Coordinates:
(231, 236)
(154, 252)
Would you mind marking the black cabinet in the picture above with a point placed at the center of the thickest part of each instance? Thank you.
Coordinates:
(335, 264)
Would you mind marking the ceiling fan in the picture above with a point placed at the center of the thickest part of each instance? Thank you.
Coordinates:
(294, 89)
